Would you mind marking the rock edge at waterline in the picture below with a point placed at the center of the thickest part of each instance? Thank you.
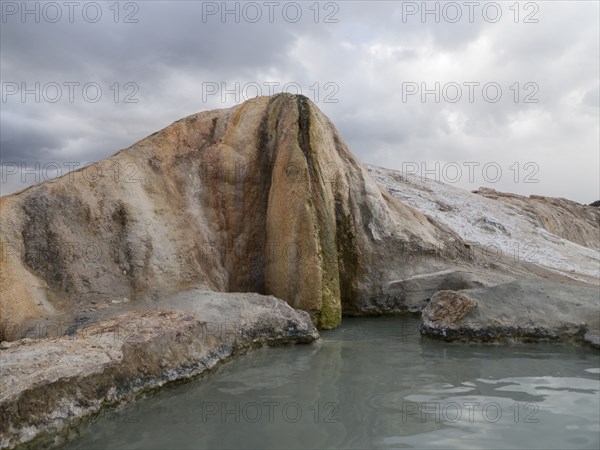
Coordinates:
(47, 385)
(527, 309)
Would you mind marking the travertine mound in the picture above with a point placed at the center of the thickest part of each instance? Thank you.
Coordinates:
(264, 197)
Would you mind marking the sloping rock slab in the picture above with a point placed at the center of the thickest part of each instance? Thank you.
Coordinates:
(529, 310)
(48, 384)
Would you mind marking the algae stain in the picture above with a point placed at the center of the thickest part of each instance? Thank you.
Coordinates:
(330, 315)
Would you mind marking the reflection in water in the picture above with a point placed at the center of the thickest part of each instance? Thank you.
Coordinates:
(374, 383)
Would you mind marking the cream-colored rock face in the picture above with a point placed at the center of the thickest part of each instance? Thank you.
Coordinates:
(263, 197)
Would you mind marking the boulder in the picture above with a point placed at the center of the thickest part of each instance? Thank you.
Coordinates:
(447, 309)
(412, 294)
(526, 309)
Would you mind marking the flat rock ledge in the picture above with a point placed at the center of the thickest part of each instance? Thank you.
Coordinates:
(522, 310)
(49, 385)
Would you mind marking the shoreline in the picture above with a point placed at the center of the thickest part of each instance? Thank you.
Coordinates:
(148, 350)
(52, 384)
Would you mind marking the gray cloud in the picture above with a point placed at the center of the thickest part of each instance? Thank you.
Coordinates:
(369, 53)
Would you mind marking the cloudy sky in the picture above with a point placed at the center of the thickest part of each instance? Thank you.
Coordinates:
(497, 94)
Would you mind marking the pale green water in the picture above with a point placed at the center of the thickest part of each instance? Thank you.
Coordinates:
(372, 384)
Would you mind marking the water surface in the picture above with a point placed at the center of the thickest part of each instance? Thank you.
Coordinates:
(373, 383)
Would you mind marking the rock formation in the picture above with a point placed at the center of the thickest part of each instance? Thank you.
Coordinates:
(189, 226)
(534, 271)
(526, 309)
(48, 384)
(525, 236)
(558, 216)
(264, 197)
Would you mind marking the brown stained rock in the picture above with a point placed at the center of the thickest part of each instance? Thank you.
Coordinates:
(448, 308)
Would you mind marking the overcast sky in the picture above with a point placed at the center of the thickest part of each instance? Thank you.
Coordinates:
(365, 64)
